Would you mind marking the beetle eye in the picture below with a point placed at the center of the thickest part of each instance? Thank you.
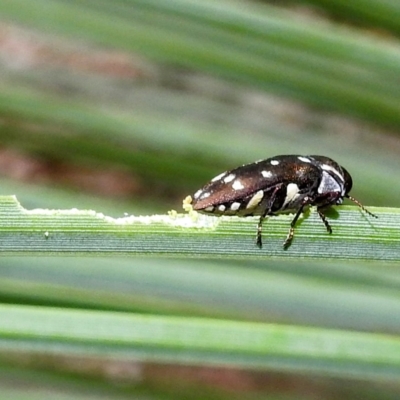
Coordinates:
(348, 182)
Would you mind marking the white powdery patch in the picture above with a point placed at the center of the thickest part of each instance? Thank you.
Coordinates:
(70, 212)
(197, 194)
(237, 185)
(292, 192)
(221, 208)
(229, 178)
(255, 200)
(304, 159)
(235, 206)
(218, 177)
(274, 162)
(191, 220)
(205, 195)
(266, 174)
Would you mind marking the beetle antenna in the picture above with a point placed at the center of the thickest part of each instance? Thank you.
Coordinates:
(361, 206)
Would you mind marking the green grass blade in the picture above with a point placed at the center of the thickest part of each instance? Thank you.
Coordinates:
(372, 13)
(255, 45)
(361, 297)
(356, 236)
(190, 340)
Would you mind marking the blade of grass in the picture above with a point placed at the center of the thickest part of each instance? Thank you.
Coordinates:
(385, 14)
(200, 341)
(365, 83)
(305, 293)
(355, 236)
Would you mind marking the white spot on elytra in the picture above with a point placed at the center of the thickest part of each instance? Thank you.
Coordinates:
(326, 167)
(235, 206)
(205, 195)
(229, 178)
(304, 159)
(209, 209)
(274, 162)
(266, 174)
(221, 208)
(255, 200)
(197, 194)
(218, 177)
(237, 185)
(292, 192)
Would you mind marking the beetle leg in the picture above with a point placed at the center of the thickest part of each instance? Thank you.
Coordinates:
(268, 211)
(290, 235)
(259, 232)
(325, 221)
(259, 227)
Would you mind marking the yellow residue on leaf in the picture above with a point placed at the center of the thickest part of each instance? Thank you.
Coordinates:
(187, 204)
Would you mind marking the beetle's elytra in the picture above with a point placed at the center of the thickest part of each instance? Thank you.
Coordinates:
(279, 184)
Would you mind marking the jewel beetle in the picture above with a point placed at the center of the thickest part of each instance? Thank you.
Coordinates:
(285, 183)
